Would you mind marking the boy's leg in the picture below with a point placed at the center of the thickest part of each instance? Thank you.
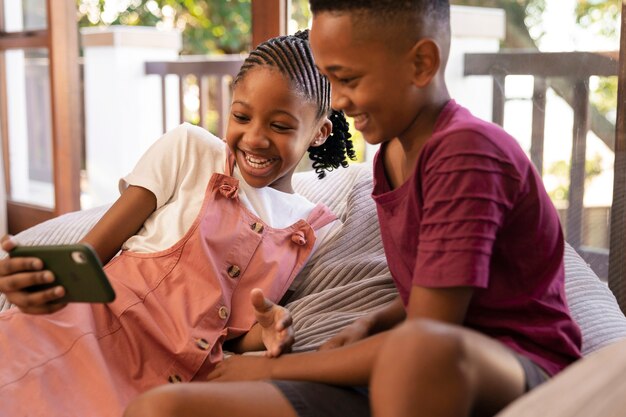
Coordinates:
(212, 399)
(428, 368)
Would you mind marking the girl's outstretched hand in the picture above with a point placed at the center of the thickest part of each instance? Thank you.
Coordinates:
(275, 321)
(17, 274)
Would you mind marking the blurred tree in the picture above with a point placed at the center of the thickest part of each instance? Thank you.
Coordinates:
(208, 26)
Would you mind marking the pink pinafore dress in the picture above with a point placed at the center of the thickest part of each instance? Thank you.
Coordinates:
(173, 311)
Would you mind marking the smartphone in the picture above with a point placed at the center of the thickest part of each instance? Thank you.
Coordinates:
(76, 267)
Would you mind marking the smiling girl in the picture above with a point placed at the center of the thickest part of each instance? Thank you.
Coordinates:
(203, 225)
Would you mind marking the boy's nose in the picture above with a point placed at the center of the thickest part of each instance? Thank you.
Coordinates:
(339, 101)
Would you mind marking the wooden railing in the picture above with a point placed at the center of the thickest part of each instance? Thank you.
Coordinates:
(222, 67)
(568, 74)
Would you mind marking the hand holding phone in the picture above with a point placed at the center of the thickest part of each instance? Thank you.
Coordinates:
(75, 267)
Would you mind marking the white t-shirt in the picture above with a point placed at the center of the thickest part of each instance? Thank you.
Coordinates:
(177, 169)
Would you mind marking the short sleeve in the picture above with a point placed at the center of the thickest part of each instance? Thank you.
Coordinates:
(468, 189)
(166, 164)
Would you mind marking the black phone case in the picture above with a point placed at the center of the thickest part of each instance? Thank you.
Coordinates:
(76, 267)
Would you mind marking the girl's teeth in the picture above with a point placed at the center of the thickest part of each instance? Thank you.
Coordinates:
(258, 163)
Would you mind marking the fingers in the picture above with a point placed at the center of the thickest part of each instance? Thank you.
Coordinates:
(263, 308)
(284, 346)
(260, 303)
(332, 343)
(38, 302)
(9, 266)
(7, 243)
(18, 275)
(20, 281)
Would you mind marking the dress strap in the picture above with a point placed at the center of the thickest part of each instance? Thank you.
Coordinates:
(320, 216)
(229, 166)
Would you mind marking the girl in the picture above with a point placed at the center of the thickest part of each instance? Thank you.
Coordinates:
(201, 224)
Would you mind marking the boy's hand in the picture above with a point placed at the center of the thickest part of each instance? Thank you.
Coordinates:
(17, 274)
(358, 330)
(275, 321)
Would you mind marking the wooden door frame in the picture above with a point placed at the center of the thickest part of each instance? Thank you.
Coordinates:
(617, 245)
(269, 19)
(60, 38)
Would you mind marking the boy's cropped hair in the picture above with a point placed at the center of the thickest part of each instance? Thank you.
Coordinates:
(437, 10)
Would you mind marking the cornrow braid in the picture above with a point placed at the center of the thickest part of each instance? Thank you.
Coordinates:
(291, 55)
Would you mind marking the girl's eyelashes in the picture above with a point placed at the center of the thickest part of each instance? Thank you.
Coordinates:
(280, 127)
(241, 118)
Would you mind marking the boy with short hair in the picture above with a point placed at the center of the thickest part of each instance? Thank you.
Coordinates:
(472, 240)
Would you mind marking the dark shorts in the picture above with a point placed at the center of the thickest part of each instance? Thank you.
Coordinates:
(535, 375)
(310, 399)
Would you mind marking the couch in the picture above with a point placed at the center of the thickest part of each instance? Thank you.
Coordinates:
(348, 276)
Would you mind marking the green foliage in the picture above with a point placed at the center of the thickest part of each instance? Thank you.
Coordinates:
(208, 26)
(560, 170)
(601, 16)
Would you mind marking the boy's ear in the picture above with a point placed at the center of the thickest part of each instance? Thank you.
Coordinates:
(323, 132)
(426, 60)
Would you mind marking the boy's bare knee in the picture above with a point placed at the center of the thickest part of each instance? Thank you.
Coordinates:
(436, 346)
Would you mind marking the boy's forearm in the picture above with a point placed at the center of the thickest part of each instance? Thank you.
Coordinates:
(348, 365)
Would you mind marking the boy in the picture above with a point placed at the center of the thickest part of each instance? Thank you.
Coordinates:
(472, 241)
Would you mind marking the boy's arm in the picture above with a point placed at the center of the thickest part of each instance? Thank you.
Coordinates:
(443, 304)
(350, 364)
(347, 365)
(375, 322)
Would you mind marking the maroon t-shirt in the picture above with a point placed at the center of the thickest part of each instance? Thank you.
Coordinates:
(475, 213)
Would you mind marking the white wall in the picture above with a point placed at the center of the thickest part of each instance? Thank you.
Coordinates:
(122, 105)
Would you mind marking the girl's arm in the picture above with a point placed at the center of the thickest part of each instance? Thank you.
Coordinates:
(272, 331)
(121, 221)
(125, 217)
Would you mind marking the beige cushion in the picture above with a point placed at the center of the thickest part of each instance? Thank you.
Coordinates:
(348, 276)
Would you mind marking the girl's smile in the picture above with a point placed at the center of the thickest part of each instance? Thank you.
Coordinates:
(270, 128)
(259, 163)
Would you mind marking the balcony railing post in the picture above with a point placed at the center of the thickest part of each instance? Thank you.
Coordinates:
(497, 114)
(577, 167)
(539, 123)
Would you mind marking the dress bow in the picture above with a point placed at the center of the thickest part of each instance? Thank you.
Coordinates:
(228, 191)
(298, 238)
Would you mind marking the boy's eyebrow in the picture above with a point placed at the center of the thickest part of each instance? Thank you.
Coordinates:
(332, 68)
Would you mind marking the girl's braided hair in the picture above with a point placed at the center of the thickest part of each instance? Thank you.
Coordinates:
(291, 55)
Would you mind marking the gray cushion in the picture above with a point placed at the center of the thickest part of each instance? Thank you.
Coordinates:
(348, 275)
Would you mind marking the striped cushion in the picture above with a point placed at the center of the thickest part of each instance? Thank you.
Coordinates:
(348, 275)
